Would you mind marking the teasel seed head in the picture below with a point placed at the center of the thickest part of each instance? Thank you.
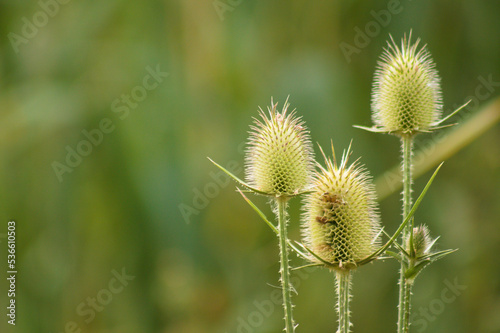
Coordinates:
(279, 158)
(406, 96)
(341, 222)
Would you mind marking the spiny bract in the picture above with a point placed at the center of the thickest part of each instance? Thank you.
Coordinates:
(279, 158)
(340, 220)
(406, 96)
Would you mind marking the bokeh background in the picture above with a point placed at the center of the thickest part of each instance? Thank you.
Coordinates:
(145, 200)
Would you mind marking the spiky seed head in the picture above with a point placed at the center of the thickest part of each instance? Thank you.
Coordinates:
(340, 219)
(406, 96)
(421, 241)
(279, 159)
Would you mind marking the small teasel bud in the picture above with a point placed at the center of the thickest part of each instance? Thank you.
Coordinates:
(340, 219)
(406, 96)
(279, 159)
(421, 241)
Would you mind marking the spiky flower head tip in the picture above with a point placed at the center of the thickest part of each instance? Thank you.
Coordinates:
(406, 96)
(279, 159)
(341, 223)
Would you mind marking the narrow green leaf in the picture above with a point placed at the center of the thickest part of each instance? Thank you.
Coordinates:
(242, 183)
(406, 220)
(371, 129)
(451, 115)
(306, 266)
(299, 252)
(412, 273)
(314, 254)
(382, 231)
(270, 224)
(394, 255)
(261, 214)
(435, 128)
(429, 247)
(399, 247)
(438, 255)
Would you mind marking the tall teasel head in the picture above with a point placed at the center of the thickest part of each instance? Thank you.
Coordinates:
(279, 159)
(406, 96)
(341, 222)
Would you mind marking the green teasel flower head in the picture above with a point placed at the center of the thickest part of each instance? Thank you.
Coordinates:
(341, 223)
(419, 253)
(279, 157)
(406, 96)
(422, 242)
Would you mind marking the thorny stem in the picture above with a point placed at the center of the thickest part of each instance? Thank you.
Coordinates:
(407, 305)
(401, 306)
(286, 286)
(404, 288)
(343, 279)
(407, 178)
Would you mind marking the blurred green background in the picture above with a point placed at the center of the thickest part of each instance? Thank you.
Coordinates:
(133, 203)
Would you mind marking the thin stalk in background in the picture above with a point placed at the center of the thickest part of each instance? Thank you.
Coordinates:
(286, 286)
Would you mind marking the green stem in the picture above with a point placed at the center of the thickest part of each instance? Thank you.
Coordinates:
(343, 299)
(286, 286)
(407, 177)
(401, 306)
(404, 289)
(407, 305)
